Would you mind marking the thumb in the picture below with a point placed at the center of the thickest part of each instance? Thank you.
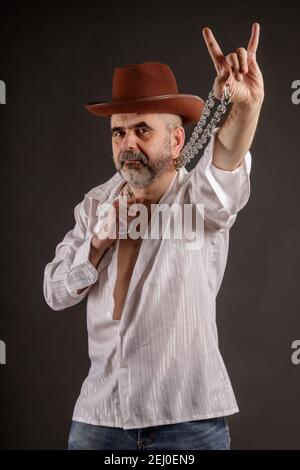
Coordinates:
(223, 74)
(219, 87)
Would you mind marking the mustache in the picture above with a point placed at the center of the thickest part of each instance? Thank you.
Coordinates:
(132, 156)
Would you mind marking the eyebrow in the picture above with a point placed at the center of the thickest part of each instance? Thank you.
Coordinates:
(134, 126)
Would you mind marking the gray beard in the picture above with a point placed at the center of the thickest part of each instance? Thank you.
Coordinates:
(146, 174)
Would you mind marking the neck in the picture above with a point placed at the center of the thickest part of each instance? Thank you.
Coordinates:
(157, 189)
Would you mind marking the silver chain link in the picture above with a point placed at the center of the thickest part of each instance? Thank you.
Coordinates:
(194, 145)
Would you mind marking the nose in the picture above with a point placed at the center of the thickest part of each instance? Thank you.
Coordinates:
(130, 142)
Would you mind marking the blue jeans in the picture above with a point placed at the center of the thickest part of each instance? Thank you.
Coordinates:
(205, 434)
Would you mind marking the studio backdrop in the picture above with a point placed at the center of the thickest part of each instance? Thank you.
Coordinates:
(56, 56)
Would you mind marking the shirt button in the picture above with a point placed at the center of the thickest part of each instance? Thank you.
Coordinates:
(123, 365)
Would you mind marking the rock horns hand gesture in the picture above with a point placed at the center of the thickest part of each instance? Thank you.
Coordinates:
(238, 69)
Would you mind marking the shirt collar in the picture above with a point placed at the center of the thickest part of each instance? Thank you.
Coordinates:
(107, 191)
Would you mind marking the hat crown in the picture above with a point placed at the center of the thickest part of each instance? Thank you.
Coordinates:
(137, 81)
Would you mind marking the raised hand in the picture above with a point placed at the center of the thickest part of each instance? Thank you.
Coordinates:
(238, 69)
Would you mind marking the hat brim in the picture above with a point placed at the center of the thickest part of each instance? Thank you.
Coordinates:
(189, 107)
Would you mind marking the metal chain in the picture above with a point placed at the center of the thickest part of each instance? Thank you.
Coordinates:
(194, 145)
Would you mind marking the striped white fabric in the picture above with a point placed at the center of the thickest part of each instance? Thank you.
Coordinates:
(160, 363)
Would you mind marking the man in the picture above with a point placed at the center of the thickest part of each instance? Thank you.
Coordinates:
(157, 379)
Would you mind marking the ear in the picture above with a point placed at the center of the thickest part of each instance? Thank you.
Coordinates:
(177, 141)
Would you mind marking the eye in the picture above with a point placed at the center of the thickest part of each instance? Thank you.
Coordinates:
(143, 131)
(118, 133)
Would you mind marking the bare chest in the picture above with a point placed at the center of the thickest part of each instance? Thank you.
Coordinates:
(127, 256)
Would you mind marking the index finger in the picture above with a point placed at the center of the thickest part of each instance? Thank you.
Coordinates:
(253, 42)
(213, 47)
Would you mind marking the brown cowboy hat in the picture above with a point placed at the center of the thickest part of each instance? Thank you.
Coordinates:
(149, 87)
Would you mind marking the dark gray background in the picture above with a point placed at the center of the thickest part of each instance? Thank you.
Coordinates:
(54, 58)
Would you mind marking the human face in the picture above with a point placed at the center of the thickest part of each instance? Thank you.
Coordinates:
(141, 147)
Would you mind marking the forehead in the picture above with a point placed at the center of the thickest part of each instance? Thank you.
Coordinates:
(123, 120)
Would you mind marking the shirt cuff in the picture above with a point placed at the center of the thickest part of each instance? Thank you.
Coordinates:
(82, 273)
(227, 184)
(231, 187)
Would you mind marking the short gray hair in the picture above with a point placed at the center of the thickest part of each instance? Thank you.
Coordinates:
(171, 120)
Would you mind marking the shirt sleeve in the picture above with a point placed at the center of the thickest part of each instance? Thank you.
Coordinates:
(223, 193)
(71, 270)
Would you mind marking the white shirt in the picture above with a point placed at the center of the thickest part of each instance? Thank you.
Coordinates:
(160, 363)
